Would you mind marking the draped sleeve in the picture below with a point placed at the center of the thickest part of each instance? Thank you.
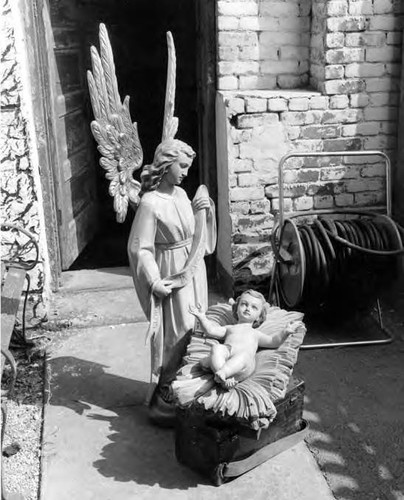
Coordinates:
(211, 232)
(141, 252)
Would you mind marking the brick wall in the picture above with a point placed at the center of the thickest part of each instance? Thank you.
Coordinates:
(20, 189)
(263, 44)
(355, 64)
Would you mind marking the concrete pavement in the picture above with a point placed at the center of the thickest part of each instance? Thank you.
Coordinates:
(98, 442)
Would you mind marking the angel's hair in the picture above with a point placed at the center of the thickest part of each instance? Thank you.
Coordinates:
(257, 295)
(166, 154)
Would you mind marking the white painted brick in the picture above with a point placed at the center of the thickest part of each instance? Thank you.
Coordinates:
(388, 128)
(364, 7)
(381, 113)
(366, 128)
(342, 116)
(384, 54)
(383, 23)
(279, 9)
(384, 99)
(393, 69)
(294, 52)
(298, 104)
(278, 67)
(320, 102)
(255, 105)
(345, 55)
(366, 70)
(238, 165)
(270, 39)
(394, 38)
(227, 53)
(353, 23)
(294, 25)
(334, 71)
(345, 86)
(237, 67)
(227, 83)
(246, 194)
(228, 23)
(365, 39)
(339, 173)
(334, 40)
(256, 120)
(277, 104)
(383, 7)
(326, 201)
(238, 136)
(382, 142)
(337, 8)
(293, 132)
(292, 81)
(247, 180)
(257, 82)
(303, 203)
(234, 106)
(250, 23)
(339, 102)
(232, 38)
(237, 8)
(359, 100)
(232, 180)
(384, 84)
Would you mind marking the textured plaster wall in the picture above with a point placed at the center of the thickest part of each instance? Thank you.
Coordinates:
(20, 185)
(355, 67)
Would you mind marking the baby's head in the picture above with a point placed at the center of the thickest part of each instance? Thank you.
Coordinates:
(255, 303)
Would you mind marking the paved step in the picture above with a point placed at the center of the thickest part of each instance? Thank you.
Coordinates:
(98, 297)
(99, 444)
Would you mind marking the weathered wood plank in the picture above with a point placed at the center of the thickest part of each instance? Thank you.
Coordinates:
(10, 301)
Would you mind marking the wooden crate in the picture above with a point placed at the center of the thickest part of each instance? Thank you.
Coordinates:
(219, 448)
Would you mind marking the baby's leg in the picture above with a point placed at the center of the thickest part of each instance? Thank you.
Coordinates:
(236, 369)
(219, 355)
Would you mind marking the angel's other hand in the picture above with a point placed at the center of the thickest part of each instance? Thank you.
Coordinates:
(162, 288)
(291, 327)
(200, 203)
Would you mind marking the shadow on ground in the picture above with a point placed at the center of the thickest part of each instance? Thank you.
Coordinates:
(136, 451)
(355, 406)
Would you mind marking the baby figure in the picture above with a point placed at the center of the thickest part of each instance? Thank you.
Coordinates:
(234, 360)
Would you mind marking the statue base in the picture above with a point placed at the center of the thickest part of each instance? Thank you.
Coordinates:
(221, 449)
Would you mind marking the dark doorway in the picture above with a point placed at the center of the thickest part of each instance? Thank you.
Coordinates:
(137, 30)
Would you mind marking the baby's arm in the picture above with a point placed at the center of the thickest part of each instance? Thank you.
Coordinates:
(273, 341)
(209, 327)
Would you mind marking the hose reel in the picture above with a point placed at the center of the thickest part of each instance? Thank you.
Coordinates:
(339, 261)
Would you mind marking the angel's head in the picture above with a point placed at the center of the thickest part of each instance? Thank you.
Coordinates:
(250, 307)
(172, 158)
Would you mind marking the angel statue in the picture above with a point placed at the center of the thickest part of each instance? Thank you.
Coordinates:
(170, 234)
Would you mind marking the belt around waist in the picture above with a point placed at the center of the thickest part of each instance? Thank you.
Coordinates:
(175, 244)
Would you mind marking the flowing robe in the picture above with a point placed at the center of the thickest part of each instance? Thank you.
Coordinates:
(159, 245)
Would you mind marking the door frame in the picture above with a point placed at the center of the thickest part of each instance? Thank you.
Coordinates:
(36, 44)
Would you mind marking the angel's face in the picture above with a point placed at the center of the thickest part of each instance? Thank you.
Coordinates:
(178, 170)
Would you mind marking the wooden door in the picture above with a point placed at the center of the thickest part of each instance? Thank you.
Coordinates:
(74, 163)
(206, 90)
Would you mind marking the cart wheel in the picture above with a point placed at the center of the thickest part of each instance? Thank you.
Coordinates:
(217, 475)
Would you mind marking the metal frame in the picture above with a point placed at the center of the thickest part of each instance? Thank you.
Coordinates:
(281, 218)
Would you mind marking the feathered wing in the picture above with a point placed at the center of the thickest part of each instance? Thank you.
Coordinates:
(112, 128)
(170, 123)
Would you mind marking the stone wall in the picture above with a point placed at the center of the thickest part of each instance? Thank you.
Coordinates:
(355, 64)
(20, 188)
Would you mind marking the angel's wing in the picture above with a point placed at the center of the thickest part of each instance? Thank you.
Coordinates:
(116, 135)
(170, 123)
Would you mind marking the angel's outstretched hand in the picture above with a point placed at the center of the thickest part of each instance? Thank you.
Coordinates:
(291, 327)
(196, 311)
